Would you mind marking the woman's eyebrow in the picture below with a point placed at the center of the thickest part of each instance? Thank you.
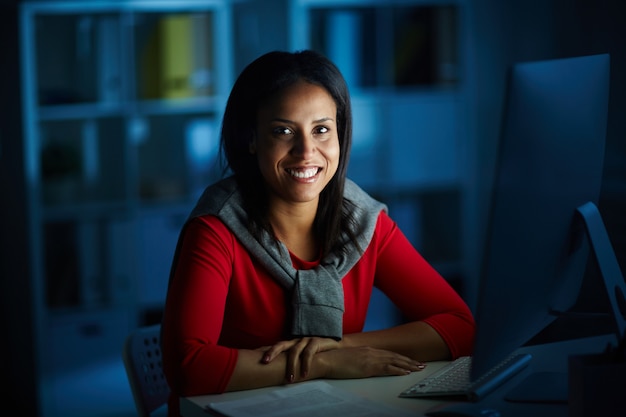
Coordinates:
(278, 119)
(322, 120)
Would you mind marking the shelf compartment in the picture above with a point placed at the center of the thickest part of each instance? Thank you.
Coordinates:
(78, 58)
(82, 161)
(178, 156)
(389, 45)
(174, 55)
(89, 263)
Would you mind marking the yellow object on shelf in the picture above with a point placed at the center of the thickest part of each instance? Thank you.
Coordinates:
(176, 60)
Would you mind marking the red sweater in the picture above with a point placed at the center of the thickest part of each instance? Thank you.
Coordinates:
(220, 300)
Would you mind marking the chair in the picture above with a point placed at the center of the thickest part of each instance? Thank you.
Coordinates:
(142, 360)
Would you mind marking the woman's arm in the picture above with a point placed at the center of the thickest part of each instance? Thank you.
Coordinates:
(251, 371)
(195, 363)
(416, 340)
(439, 324)
(195, 359)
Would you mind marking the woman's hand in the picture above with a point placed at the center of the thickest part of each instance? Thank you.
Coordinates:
(364, 362)
(300, 353)
(338, 362)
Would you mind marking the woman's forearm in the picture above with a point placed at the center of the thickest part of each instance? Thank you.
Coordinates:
(416, 340)
(250, 372)
(344, 362)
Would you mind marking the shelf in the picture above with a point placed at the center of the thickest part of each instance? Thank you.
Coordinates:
(81, 111)
(392, 45)
(404, 67)
(112, 168)
(209, 105)
(66, 212)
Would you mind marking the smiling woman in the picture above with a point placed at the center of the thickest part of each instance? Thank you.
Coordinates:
(297, 147)
(275, 267)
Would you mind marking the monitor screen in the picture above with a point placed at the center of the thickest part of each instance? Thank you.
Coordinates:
(550, 162)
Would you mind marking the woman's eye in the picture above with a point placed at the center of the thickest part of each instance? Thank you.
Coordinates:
(322, 130)
(282, 131)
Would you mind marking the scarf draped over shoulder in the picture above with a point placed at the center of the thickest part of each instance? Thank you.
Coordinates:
(317, 299)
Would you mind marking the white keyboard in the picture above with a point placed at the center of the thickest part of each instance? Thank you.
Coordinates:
(453, 380)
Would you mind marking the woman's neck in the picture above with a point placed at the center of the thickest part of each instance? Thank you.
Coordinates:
(293, 225)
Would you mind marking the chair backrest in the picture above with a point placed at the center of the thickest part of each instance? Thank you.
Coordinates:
(142, 360)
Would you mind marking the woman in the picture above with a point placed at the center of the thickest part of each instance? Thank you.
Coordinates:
(274, 269)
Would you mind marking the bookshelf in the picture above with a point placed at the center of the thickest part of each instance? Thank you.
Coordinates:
(121, 104)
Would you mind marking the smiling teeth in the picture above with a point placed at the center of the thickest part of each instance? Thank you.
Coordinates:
(307, 173)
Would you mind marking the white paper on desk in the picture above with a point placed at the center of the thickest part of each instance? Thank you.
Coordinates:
(307, 399)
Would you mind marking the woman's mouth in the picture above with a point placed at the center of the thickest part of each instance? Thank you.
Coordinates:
(303, 173)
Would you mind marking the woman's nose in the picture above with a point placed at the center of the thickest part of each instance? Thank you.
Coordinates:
(304, 146)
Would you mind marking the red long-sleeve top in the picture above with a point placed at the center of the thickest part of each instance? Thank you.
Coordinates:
(220, 299)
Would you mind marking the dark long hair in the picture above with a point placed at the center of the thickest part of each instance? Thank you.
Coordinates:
(259, 82)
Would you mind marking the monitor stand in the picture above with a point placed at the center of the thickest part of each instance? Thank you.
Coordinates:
(552, 387)
(607, 263)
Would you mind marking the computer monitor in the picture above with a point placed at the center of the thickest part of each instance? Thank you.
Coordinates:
(550, 163)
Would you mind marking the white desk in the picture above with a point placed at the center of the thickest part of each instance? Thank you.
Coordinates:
(385, 390)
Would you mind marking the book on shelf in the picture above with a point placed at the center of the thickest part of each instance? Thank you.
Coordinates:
(109, 77)
(202, 65)
(177, 62)
(176, 56)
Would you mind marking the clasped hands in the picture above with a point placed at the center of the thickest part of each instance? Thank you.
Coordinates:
(336, 360)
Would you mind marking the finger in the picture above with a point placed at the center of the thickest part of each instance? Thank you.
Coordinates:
(306, 358)
(409, 365)
(265, 358)
(396, 370)
(417, 366)
(273, 351)
(389, 363)
(293, 359)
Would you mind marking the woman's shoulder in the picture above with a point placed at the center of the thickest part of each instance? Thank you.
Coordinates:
(209, 222)
(216, 196)
(385, 225)
(209, 232)
(361, 198)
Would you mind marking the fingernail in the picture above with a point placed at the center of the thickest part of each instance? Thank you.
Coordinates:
(266, 359)
(291, 378)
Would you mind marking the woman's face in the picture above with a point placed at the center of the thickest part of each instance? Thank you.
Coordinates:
(297, 143)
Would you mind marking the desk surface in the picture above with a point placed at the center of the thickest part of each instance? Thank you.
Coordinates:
(552, 357)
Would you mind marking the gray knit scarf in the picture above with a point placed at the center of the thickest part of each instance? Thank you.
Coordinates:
(316, 294)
